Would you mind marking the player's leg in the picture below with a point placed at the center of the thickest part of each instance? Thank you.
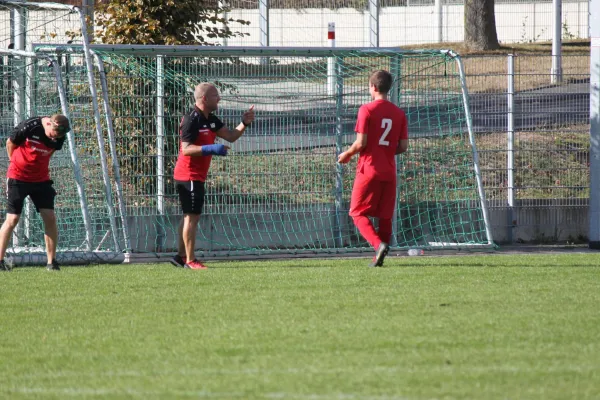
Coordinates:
(190, 228)
(191, 196)
(15, 199)
(5, 232)
(387, 205)
(367, 230)
(385, 213)
(364, 203)
(50, 237)
(180, 257)
(42, 197)
(385, 230)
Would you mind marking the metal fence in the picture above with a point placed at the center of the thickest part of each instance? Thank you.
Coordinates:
(394, 23)
(533, 141)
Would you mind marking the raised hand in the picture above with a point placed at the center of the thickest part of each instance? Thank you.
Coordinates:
(248, 116)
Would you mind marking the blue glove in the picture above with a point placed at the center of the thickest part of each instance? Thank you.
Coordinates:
(214, 149)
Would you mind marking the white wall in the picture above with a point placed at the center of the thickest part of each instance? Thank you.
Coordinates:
(521, 22)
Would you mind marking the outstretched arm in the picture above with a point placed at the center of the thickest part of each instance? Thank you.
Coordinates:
(233, 135)
(359, 144)
(193, 150)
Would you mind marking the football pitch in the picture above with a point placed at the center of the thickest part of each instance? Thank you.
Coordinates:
(452, 327)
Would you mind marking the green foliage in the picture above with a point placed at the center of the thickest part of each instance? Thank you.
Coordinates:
(170, 22)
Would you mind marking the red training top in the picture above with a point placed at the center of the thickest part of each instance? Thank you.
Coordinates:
(198, 130)
(385, 124)
(30, 160)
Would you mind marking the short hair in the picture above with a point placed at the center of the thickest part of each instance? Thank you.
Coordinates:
(382, 80)
(201, 89)
(61, 124)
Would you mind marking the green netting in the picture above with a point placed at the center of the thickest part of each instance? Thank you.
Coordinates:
(29, 87)
(40, 97)
(280, 188)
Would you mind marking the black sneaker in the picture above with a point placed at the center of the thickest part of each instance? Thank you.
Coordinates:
(4, 266)
(178, 261)
(380, 254)
(53, 266)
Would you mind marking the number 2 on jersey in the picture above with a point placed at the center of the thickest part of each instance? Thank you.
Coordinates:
(386, 124)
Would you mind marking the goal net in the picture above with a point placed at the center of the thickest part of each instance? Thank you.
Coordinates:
(280, 190)
(41, 85)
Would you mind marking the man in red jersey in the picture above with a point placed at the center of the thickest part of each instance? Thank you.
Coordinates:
(381, 133)
(29, 148)
(198, 131)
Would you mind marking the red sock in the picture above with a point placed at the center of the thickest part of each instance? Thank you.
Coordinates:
(385, 230)
(366, 229)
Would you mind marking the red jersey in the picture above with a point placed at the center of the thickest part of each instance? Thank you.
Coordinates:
(30, 160)
(385, 125)
(198, 130)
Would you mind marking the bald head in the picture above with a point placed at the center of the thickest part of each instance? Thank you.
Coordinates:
(206, 97)
(202, 89)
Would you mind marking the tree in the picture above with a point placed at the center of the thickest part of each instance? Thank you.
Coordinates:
(132, 88)
(171, 22)
(480, 25)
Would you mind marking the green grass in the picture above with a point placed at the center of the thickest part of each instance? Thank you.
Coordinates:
(472, 327)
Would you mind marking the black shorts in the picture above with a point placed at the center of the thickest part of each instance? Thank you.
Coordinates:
(191, 196)
(41, 193)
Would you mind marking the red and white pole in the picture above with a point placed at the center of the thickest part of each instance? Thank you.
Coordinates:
(331, 60)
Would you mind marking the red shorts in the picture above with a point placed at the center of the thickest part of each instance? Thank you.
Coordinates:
(373, 198)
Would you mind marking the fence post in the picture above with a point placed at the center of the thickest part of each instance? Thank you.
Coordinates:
(556, 72)
(88, 11)
(18, 34)
(29, 90)
(396, 71)
(374, 23)
(263, 22)
(331, 60)
(160, 148)
(339, 139)
(224, 15)
(594, 235)
(510, 136)
(439, 23)
(534, 20)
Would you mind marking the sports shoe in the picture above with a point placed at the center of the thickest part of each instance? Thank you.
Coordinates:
(53, 266)
(195, 264)
(178, 261)
(380, 254)
(373, 262)
(4, 266)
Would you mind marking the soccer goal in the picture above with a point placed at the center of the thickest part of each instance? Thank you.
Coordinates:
(280, 191)
(36, 84)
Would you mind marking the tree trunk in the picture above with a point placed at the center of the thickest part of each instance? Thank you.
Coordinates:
(480, 25)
